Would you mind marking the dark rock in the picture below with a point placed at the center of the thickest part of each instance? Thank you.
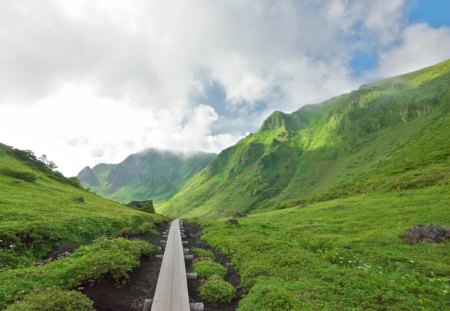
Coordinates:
(427, 233)
(232, 221)
(79, 200)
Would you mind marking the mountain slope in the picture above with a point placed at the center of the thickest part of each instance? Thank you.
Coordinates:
(151, 174)
(388, 135)
(343, 254)
(40, 209)
(42, 213)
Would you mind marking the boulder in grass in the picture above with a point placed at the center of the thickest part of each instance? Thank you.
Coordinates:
(79, 200)
(427, 233)
(232, 221)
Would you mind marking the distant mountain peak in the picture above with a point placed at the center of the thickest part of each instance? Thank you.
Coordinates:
(278, 119)
(87, 177)
(150, 174)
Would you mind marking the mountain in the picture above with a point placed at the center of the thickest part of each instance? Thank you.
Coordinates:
(151, 174)
(388, 135)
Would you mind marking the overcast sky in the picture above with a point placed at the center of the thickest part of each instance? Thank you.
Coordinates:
(86, 81)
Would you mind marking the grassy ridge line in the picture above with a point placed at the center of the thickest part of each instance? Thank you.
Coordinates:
(341, 254)
(350, 144)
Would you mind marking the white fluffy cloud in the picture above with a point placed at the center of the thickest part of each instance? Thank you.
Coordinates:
(92, 81)
(419, 46)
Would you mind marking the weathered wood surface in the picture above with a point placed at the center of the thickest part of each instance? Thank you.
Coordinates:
(171, 290)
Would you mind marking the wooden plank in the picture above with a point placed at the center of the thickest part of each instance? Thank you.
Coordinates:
(171, 290)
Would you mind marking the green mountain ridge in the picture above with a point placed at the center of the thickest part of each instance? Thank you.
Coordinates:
(388, 135)
(151, 174)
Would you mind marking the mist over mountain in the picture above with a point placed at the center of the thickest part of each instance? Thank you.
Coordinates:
(151, 174)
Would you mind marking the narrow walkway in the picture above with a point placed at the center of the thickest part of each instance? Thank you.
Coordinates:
(172, 291)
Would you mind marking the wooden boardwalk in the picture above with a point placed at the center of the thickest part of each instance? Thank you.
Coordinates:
(171, 290)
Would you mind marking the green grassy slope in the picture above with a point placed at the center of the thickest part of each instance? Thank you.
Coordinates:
(39, 212)
(151, 174)
(389, 135)
(343, 254)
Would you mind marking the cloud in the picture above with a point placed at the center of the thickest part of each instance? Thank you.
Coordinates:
(420, 46)
(95, 80)
(157, 52)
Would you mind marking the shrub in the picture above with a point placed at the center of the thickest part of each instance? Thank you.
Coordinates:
(144, 206)
(53, 299)
(144, 228)
(25, 176)
(266, 296)
(115, 258)
(207, 269)
(148, 227)
(204, 254)
(74, 182)
(217, 290)
(10, 259)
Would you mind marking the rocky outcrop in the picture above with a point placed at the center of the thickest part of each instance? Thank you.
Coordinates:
(428, 233)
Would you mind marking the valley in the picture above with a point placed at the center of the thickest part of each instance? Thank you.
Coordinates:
(310, 212)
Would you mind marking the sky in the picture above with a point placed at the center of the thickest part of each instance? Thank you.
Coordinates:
(92, 81)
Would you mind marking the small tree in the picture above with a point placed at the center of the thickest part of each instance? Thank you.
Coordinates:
(50, 164)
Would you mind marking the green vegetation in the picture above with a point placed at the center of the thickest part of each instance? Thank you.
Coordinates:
(216, 290)
(331, 189)
(53, 299)
(43, 214)
(341, 254)
(116, 257)
(151, 174)
(208, 269)
(387, 136)
(41, 210)
(25, 176)
(202, 253)
(144, 206)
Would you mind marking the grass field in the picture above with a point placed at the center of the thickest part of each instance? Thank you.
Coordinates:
(41, 211)
(344, 254)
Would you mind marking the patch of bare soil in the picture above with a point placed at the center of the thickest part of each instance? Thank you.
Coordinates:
(193, 234)
(57, 253)
(141, 284)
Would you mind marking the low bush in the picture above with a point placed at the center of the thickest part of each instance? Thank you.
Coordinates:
(217, 290)
(270, 296)
(53, 299)
(112, 257)
(25, 176)
(9, 258)
(144, 228)
(201, 253)
(207, 269)
(148, 228)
